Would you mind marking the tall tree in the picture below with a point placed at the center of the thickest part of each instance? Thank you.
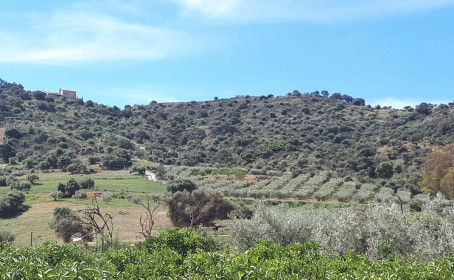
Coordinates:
(436, 167)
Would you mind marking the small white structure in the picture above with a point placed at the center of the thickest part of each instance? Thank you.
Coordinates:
(77, 240)
(67, 93)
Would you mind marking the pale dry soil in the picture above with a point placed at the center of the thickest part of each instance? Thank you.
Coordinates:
(36, 219)
(2, 135)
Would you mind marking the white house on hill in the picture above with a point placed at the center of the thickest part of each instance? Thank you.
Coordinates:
(67, 93)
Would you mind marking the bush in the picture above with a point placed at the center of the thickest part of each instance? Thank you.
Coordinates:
(80, 195)
(76, 167)
(133, 198)
(139, 169)
(12, 203)
(3, 181)
(197, 208)
(184, 241)
(69, 189)
(106, 196)
(56, 195)
(6, 236)
(87, 183)
(425, 234)
(21, 186)
(180, 185)
(67, 223)
(32, 178)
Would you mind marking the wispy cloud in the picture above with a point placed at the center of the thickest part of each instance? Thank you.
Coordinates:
(316, 11)
(401, 103)
(80, 36)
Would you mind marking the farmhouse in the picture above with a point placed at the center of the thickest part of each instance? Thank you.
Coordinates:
(67, 93)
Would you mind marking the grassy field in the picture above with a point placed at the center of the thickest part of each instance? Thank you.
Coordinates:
(113, 181)
(126, 214)
(36, 219)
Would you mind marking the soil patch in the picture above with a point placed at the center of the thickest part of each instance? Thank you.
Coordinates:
(2, 135)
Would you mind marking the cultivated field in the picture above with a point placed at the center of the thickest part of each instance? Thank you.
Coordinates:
(120, 183)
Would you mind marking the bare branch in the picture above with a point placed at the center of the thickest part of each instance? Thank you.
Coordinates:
(147, 222)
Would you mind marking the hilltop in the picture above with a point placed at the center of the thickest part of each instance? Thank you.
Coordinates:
(301, 133)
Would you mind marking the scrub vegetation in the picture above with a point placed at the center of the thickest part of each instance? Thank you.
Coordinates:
(300, 186)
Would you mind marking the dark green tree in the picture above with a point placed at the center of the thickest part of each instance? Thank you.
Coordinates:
(180, 185)
(384, 170)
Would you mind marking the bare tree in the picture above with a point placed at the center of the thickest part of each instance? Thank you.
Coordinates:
(100, 223)
(147, 222)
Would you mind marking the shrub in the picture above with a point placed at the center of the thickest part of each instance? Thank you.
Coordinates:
(20, 186)
(106, 196)
(56, 195)
(180, 185)
(6, 236)
(69, 189)
(68, 223)
(184, 241)
(346, 191)
(80, 195)
(76, 167)
(87, 183)
(12, 203)
(385, 194)
(197, 208)
(3, 181)
(139, 169)
(133, 198)
(425, 234)
(32, 178)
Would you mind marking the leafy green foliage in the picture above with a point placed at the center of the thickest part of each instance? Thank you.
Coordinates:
(184, 241)
(87, 183)
(6, 236)
(197, 208)
(368, 231)
(68, 223)
(179, 255)
(12, 203)
(69, 189)
(32, 178)
(139, 169)
(308, 133)
(180, 185)
(20, 186)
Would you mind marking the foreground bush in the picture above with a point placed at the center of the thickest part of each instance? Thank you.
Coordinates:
(183, 241)
(370, 231)
(266, 260)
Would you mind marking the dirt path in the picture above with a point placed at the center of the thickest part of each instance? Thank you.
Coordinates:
(2, 135)
(151, 176)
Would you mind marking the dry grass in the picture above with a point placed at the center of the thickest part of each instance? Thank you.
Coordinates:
(36, 219)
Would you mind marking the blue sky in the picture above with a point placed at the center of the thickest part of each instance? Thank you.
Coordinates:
(389, 52)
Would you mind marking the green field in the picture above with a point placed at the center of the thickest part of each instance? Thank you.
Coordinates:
(126, 214)
(113, 181)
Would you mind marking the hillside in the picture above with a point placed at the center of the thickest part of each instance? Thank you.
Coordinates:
(301, 133)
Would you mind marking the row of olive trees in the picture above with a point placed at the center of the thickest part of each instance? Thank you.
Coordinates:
(385, 228)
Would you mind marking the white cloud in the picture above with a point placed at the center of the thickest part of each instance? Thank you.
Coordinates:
(400, 103)
(317, 11)
(68, 37)
(211, 8)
